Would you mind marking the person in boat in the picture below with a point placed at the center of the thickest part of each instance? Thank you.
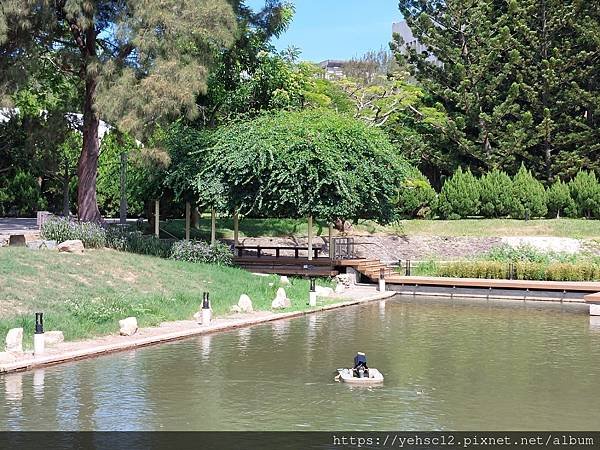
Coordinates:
(360, 365)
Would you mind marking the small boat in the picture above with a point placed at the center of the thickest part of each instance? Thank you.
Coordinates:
(371, 376)
(360, 374)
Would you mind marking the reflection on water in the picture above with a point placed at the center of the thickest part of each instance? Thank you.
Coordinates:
(595, 324)
(447, 365)
(38, 383)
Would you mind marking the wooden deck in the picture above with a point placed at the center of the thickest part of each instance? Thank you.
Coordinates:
(285, 265)
(372, 268)
(593, 298)
(568, 286)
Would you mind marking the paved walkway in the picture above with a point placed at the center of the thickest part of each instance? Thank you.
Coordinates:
(13, 225)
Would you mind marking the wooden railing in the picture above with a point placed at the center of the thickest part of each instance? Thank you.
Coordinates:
(259, 249)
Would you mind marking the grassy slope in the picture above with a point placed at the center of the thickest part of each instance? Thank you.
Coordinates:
(575, 228)
(86, 295)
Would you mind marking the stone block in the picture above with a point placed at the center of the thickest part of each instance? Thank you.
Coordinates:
(14, 340)
(128, 326)
(245, 304)
(72, 246)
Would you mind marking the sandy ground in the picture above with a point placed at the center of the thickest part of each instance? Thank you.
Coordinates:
(170, 331)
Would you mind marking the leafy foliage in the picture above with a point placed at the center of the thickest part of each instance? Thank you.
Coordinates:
(63, 229)
(529, 196)
(109, 173)
(202, 252)
(459, 196)
(496, 194)
(125, 240)
(516, 78)
(415, 196)
(585, 191)
(296, 164)
(560, 202)
(22, 195)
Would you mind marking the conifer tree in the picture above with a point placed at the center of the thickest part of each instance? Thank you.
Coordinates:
(560, 202)
(529, 196)
(585, 191)
(496, 192)
(459, 197)
(136, 61)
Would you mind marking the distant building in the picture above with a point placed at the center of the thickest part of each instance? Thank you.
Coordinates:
(410, 41)
(333, 68)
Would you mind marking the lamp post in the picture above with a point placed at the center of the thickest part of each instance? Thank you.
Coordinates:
(38, 337)
(206, 311)
(382, 280)
(312, 296)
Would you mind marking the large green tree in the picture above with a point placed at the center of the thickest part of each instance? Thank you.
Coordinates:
(137, 61)
(518, 79)
(300, 163)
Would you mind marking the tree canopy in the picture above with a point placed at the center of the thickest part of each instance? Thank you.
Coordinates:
(518, 79)
(300, 163)
(135, 62)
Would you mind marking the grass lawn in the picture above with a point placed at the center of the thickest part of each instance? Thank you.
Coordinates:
(574, 228)
(86, 295)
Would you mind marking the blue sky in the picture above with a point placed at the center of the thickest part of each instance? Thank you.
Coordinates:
(338, 29)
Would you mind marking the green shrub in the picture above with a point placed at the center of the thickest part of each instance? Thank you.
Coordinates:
(474, 269)
(459, 197)
(523, 270)
(585, 191)
(60, 229)
(415, 196)
(560, 202)
(496, 194)
(528, 253)
(125, 240)
(23, 196)
(529, 196)
(202, 252)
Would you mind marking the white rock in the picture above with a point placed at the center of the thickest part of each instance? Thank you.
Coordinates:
(245, 304)
(73, 246)
(323, 291)
(128, 326)
(6, 358)
(198, 317)
(340, 288)
(53, 337)
(14, 340)
(345, 279)
(284, 280)
(281, 301)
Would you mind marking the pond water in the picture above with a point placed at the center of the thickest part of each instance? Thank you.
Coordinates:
(447, 366)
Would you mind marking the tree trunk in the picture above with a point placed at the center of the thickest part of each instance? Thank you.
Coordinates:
(88, 161)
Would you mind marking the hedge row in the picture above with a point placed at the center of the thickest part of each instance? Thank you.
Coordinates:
(496, 195)
(521, 270)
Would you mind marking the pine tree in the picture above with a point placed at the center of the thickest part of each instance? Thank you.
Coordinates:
(136, 61)
(496, 192)
(560, 202)
(529, 196)
(585, 191)
(518, 78)
(459, 197)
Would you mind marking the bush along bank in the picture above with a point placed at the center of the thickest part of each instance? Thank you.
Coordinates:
(497, 195)
(521, 263)
(132, 241)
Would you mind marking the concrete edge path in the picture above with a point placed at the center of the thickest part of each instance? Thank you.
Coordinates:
(171, 331)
